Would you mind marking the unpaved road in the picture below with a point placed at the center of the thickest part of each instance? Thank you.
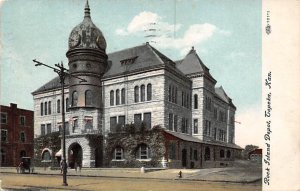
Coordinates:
(53, 182)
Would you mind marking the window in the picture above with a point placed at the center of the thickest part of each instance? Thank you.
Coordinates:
(88, 98)
(43, 129)
(118, 153)
(215, 133)
(112, 101)
(143, 152)
(191, 153)
(136, 94)
(88, 123)
(22, 137)
(188, 100)
(147, 120)
(3, 156)
(22, 154)
(74, 98)
(175, 95)
(175, 123)
(42, 109)
(207, 128)
(48, 128)
(195, 126)
(22, 120)
(207, 153)
(113, 124)
(195, 155)
(67, 128)
(46, 108)
(184, 125)
(46, 156)
(117, 97)
(4, 135)
(170, 93)
(208, 103)
(49, 107)
(195, 101)
(137, 120)
(222, 155)
(149, 92)
(172, 151)
(123, 96)
(228, 154)
(58, 106)
(143, 92)
(171, 121)
(121, 121)
(215, 113)
(75, 124)
(67, 105)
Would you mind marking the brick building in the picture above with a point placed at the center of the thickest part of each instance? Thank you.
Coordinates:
(127, 93)
(16, 134)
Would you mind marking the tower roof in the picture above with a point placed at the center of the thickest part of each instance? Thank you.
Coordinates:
(192, 64)
(86, 34)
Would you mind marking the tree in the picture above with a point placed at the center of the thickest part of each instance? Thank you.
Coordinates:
(248, 148)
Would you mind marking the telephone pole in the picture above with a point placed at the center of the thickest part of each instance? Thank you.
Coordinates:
(62, 73)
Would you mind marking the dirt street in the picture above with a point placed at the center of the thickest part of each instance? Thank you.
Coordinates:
(53, 182)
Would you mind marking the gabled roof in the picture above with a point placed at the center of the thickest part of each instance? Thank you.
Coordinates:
(135, 59)
(51, 85)
(139, 58)
(190, 138)
(220, 93)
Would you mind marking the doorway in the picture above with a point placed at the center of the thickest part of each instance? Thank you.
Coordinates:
(184, 158)
(75, 155)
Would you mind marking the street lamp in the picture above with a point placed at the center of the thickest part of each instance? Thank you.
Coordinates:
(62, 72)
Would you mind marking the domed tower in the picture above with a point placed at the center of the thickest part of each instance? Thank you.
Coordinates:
(87, 60)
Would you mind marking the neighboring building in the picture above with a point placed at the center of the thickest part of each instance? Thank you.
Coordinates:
(16, 134)
(255, 155)
(127, 93)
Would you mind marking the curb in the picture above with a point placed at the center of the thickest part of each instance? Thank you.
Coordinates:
(146, 178)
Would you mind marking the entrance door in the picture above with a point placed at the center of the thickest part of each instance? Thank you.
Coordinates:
(184, 158)
(75, 155)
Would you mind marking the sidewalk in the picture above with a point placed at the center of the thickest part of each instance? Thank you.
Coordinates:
(243, 172)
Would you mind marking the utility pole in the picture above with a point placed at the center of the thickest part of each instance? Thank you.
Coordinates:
(62, 73)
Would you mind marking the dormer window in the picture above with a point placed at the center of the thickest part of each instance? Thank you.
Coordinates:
(128, 61)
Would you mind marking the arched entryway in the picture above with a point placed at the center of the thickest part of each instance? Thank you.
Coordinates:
(75, 155)
(184, 158)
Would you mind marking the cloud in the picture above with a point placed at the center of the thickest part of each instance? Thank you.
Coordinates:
(251, 129)
(152, 26)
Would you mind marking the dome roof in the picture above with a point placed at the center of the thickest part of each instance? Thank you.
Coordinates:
(87, 34)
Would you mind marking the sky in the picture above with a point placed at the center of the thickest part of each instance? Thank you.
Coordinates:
(226, 35)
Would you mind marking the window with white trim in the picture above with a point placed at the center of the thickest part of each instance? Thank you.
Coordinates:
(118, 153)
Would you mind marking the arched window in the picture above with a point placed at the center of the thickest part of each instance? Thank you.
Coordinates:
(143, 152)
(67, 104)
(46, 109)
(118, 97)
(74, 98)
(136, 94)
(207, 153)
(143, 92)
(88, 98)
(112, 101)
(149, 92)
(42, 109)
(58, 106)
(222, 154)
(118, 153)
(46, 156)
(195, 101)
(49, 107)
(123, 96)
(22, 154)
(22, 137)
(228, 154)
